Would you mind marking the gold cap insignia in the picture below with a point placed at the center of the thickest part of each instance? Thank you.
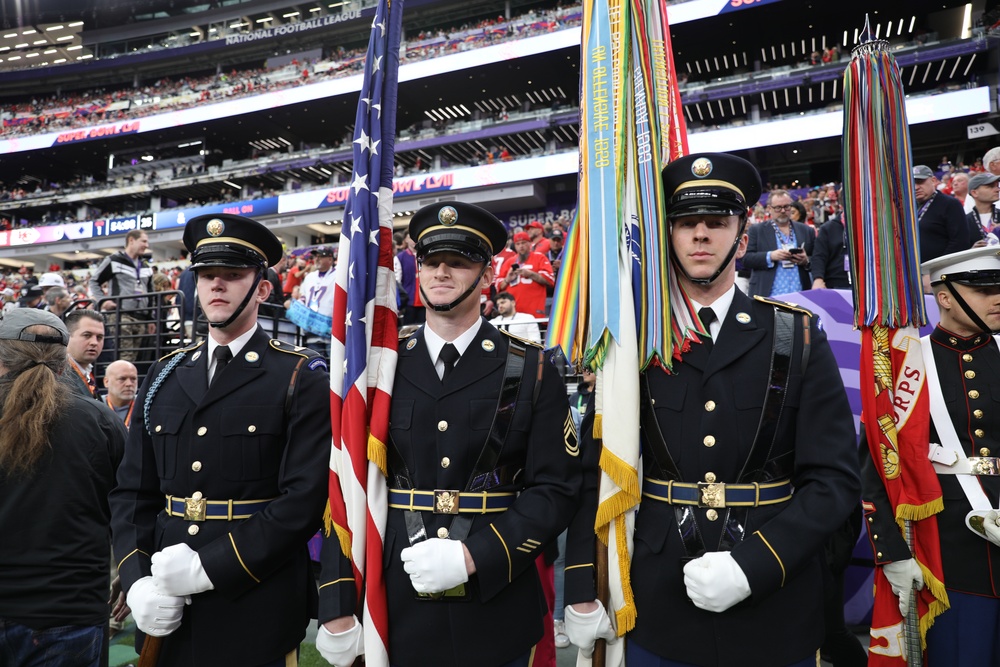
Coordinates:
(215, 227)
(701, 167)
(489, 345)
(194, 357)
(742, 318)
(448, 215)
(410, 344)
(251, 356)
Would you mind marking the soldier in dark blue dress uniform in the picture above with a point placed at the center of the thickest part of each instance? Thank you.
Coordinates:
(748, 456)
(483, 472)
(966, 365)
(225, 472)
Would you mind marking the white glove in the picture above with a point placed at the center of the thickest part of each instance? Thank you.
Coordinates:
(177, 570)
(903, 575)
(435, 565)
(715, 582)
(155, 614)
(584, 630)
(987, 521)
(341, 649)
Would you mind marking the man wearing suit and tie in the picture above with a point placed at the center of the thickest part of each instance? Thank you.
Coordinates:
(778, 251)
(225, 472)
(748, 455)
(483, 472)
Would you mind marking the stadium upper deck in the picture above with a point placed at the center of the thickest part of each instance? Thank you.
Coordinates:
(281, 153)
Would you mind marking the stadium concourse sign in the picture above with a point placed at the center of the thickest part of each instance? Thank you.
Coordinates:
(251, 208)
(293, 28)
(440, 182)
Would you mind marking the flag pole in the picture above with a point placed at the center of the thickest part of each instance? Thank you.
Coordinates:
(883, 246)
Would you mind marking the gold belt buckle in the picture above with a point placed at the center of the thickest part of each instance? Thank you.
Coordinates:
(713, 494)
(445, 501)
(194, 509)
(984, 465)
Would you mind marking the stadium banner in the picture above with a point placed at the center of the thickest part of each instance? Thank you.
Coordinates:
(440, 181)
(251, 208)
(295, 28)
(50, 234)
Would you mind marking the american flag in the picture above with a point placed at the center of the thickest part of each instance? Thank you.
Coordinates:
(363, 354)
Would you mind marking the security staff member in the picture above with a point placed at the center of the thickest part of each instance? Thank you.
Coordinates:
(225, 472)
(749, 462)
(479, 419)
(962, 374)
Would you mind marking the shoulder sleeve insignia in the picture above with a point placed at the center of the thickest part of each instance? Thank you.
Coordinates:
(523, 340)
(183, 349)
(784, 305)
(318, 362)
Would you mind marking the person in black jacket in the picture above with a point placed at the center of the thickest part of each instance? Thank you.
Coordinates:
(462, 589)
(984, 216)
(225, 473)
(940, 218)
(58, 456)
(829, 261)
(748, 453)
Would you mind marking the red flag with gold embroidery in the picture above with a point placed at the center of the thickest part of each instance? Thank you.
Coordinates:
(888, 307)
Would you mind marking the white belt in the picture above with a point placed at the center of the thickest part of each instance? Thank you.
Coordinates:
(948, 462)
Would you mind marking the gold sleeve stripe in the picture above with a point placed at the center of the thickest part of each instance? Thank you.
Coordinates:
(775, 554)
(338, 581)
(240, 558)
(531, 541)
(134, 552)
(573, 567)
(510, 565)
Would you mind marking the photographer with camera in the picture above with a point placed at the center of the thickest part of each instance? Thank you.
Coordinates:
(778, 252)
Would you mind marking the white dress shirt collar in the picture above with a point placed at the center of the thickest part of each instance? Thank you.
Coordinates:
(435, 343)
(234, 348)
(720, 307)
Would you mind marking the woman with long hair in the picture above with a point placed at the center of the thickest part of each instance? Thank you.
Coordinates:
(58, 457)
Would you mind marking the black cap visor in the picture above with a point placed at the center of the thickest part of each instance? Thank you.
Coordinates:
(462, 243)
(985, 278)
(227, 255)
(706, 201)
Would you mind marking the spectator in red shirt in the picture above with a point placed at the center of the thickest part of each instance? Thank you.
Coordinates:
(536, 232)
(294, 277)
(526, 277)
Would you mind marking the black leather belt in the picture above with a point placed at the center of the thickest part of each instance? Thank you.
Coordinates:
(200, 509)
(450, 502)
(715, 495)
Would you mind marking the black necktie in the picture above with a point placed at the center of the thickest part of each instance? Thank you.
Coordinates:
(707, 316)
(449, 355)
(222, 356)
